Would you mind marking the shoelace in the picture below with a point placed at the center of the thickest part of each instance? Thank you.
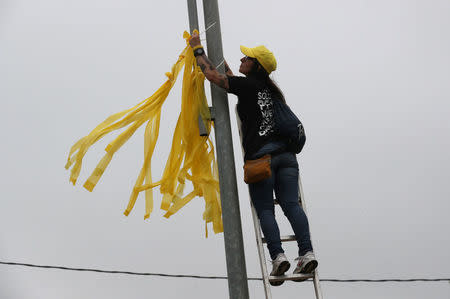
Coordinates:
(303, 256)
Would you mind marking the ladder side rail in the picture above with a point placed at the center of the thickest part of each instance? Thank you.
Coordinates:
(262, 259)
(316, 280)
(317, 288)
(257, 227)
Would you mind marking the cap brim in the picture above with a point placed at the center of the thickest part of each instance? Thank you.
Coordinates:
(247, 52)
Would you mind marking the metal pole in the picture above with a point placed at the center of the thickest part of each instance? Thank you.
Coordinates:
(193, 15)
(193, 24)
(234, 245)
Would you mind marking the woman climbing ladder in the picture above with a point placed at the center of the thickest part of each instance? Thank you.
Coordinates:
(256, 93)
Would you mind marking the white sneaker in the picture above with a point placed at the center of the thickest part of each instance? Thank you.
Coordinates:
(279, 265)
(306, 265)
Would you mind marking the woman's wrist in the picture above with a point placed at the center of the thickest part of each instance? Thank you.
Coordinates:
(198, 51)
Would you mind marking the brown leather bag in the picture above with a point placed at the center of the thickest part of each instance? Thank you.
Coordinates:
(257, 170)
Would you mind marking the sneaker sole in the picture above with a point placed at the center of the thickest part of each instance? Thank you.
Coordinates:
(308, 269)
(284, 266)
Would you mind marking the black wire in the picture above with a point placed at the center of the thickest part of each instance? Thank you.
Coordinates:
(212, 277)
(387, 280)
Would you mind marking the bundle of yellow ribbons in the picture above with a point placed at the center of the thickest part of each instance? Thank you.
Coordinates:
(191, 156)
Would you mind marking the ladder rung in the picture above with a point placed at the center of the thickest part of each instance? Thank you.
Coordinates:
(284, 238)
(291, 277)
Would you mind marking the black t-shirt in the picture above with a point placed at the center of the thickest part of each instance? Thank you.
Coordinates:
(255, 110)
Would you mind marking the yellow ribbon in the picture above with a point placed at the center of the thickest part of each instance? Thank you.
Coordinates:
(191, 155)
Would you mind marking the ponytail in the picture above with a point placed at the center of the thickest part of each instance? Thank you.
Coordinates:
(261, 74)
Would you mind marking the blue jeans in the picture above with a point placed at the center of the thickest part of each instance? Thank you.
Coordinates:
(284, 181)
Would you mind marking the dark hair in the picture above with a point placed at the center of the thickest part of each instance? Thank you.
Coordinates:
(261, 74)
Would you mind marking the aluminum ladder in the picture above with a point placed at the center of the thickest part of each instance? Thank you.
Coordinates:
(288, 238)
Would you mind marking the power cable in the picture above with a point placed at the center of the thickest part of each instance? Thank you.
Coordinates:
(212, 277)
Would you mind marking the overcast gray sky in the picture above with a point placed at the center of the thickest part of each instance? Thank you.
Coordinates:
(370, 80)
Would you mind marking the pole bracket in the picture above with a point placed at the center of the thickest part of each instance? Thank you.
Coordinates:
(212, 111)
(201, 125)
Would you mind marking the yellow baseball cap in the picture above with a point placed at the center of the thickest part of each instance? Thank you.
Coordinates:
(263, 55)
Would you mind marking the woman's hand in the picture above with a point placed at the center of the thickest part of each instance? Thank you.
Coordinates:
(195, 40)
(228, 71)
